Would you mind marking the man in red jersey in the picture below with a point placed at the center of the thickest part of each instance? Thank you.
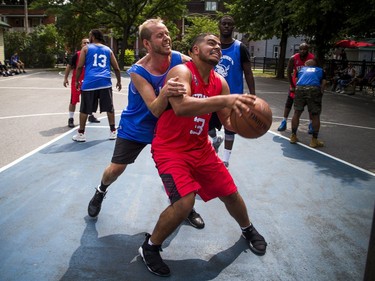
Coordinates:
(74, 93)
(296, 62)
(186, 161)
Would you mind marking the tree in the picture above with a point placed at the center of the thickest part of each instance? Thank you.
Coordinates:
(36, 49)
(326, 21)
(120, 18)
(263, 19)
(322, 21)
(197, 25)
(72, 25)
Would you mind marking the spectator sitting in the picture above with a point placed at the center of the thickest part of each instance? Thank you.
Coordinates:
(4, 70)
(17, 63)
(367, 80)
(346, 78)
(337, 73)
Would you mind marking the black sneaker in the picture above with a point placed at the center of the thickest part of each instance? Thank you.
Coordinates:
(93, 119)
(96, 203)
(195, 219)
(71, 123)
(152, 259)
(257, 243)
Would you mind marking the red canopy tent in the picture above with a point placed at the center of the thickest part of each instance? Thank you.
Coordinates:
(353, 44)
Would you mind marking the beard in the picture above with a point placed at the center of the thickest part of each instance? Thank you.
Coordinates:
(161, 50)
(211, 61)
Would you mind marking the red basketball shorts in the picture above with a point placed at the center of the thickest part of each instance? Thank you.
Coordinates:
(201, 172)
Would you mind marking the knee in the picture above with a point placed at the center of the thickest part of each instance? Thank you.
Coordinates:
(184, 206)
(231, 199)
(212, 133)
(113, 171)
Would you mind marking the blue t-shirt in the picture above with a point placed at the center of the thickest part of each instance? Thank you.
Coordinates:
(137, 123)
(97, 68)
(310, 76)
(230, 67)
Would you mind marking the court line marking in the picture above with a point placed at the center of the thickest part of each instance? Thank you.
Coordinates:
(34, 88)
(2, 169)
(118, 111)
(325, 154)
(45, 114)
(331, 123)
(70, 131)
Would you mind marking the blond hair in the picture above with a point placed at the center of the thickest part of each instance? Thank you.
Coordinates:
(144, 31)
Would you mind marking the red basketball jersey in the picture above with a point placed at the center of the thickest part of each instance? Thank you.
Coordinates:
(177, 134)
(298, 63)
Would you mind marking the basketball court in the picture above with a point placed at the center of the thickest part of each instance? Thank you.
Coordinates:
(314, 210)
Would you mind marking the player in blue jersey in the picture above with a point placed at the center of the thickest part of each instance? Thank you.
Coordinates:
(147, 99)
(310, 86)
(233, 66)
(97, 59)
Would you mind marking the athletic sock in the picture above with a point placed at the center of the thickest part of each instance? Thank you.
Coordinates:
(113, 128)
(315, 134)
(226, 155)
(102, 187)
(294, 131)
(81, 131)
(246, 228)
(71, 114)
(150, 242)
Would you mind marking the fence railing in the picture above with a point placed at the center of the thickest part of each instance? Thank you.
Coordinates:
(361, 67)
(266, 64)
(331, 66)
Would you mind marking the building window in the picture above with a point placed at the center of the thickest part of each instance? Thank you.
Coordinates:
(252, 51)
(296, 48)
(211, 6)
(275, 51)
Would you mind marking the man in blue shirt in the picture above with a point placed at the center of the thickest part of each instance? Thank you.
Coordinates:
(97, 59)
(309, 91)
(233, 66)
(147, 99)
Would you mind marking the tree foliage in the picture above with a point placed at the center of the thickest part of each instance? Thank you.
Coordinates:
(263, 19)
(36, 49)
(322, 21)
(196, 25)
(120, 18)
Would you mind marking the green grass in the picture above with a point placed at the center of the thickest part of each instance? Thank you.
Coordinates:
(259, 73)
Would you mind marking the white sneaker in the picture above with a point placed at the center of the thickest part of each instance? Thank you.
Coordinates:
(79, 137)
(112, 135)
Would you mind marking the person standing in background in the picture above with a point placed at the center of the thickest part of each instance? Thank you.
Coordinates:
(234, 64)
(97, 60)
(74, 94)
(296, 62)
(310, 85)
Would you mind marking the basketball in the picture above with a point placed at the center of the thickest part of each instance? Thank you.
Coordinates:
(255, 123)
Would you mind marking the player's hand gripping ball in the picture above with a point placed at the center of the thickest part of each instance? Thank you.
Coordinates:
(255, 123)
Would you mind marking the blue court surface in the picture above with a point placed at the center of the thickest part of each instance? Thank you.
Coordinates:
(314, 211)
